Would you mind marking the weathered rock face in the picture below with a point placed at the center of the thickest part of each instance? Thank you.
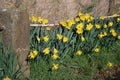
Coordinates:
(56, 10)
(102, 8)
(16, 34)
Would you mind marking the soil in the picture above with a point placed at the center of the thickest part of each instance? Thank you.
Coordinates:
(116, 76)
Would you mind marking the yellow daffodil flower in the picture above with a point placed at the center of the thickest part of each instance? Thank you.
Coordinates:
(118, 19)
(80, 26)
(105, 26)
(65, 39)
(80, 14)
(109, 64)
(55, 56)
(77, 19)
(34, 19)
(118, 36)
(38, 38)
(97, 50)
(89, 26)
(102, 17)
(6, 78)
(64, 24)
(33, 54)
(55, 50)
(55, 66)
(97, 26)
(110, 24)
(40, 20)
(79, 52)
(46, 51)
(82, 39)
(46, 38)
(100, 35)
(113, 32)
(45, 21)
(59, 36)
(82, 18)
(79, 31)
(105, 33)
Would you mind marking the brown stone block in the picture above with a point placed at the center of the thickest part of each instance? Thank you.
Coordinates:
(16, 34)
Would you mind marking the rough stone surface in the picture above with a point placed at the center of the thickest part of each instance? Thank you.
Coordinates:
(16, 34)
(101, 9)
(56, 10)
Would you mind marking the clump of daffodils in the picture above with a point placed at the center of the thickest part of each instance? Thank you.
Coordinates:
(102, 35)
(68, 24)
(40, 20)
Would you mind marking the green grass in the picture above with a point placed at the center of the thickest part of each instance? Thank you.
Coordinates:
(84, 67)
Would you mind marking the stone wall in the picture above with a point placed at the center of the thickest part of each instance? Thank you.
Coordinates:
(56, 10)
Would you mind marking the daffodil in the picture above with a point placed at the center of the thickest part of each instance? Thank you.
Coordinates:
(59, 36)
(40, 20)
(118, 36)
(105, 26)
(45, 21)
(82, 18)
(79, 52)
(46, 38)
(55, 66)
(102, 17)
(89, 26)
(33, 54)
(34, 19)
(55, 56)
(97, 50)
(109, 64)
(6, 78)
(110, 24)
(105, 33)
(63, 23)
(100, 35)
(118, 19)
(38, 38)
(77, 19)
(70, 22)
(113, 32)
(98, 26)
(65, 39)
(55, 50)
(46, 51)
(80, 14)
(80, 26)
(88, 17)
(82, 39)
(79, 31)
